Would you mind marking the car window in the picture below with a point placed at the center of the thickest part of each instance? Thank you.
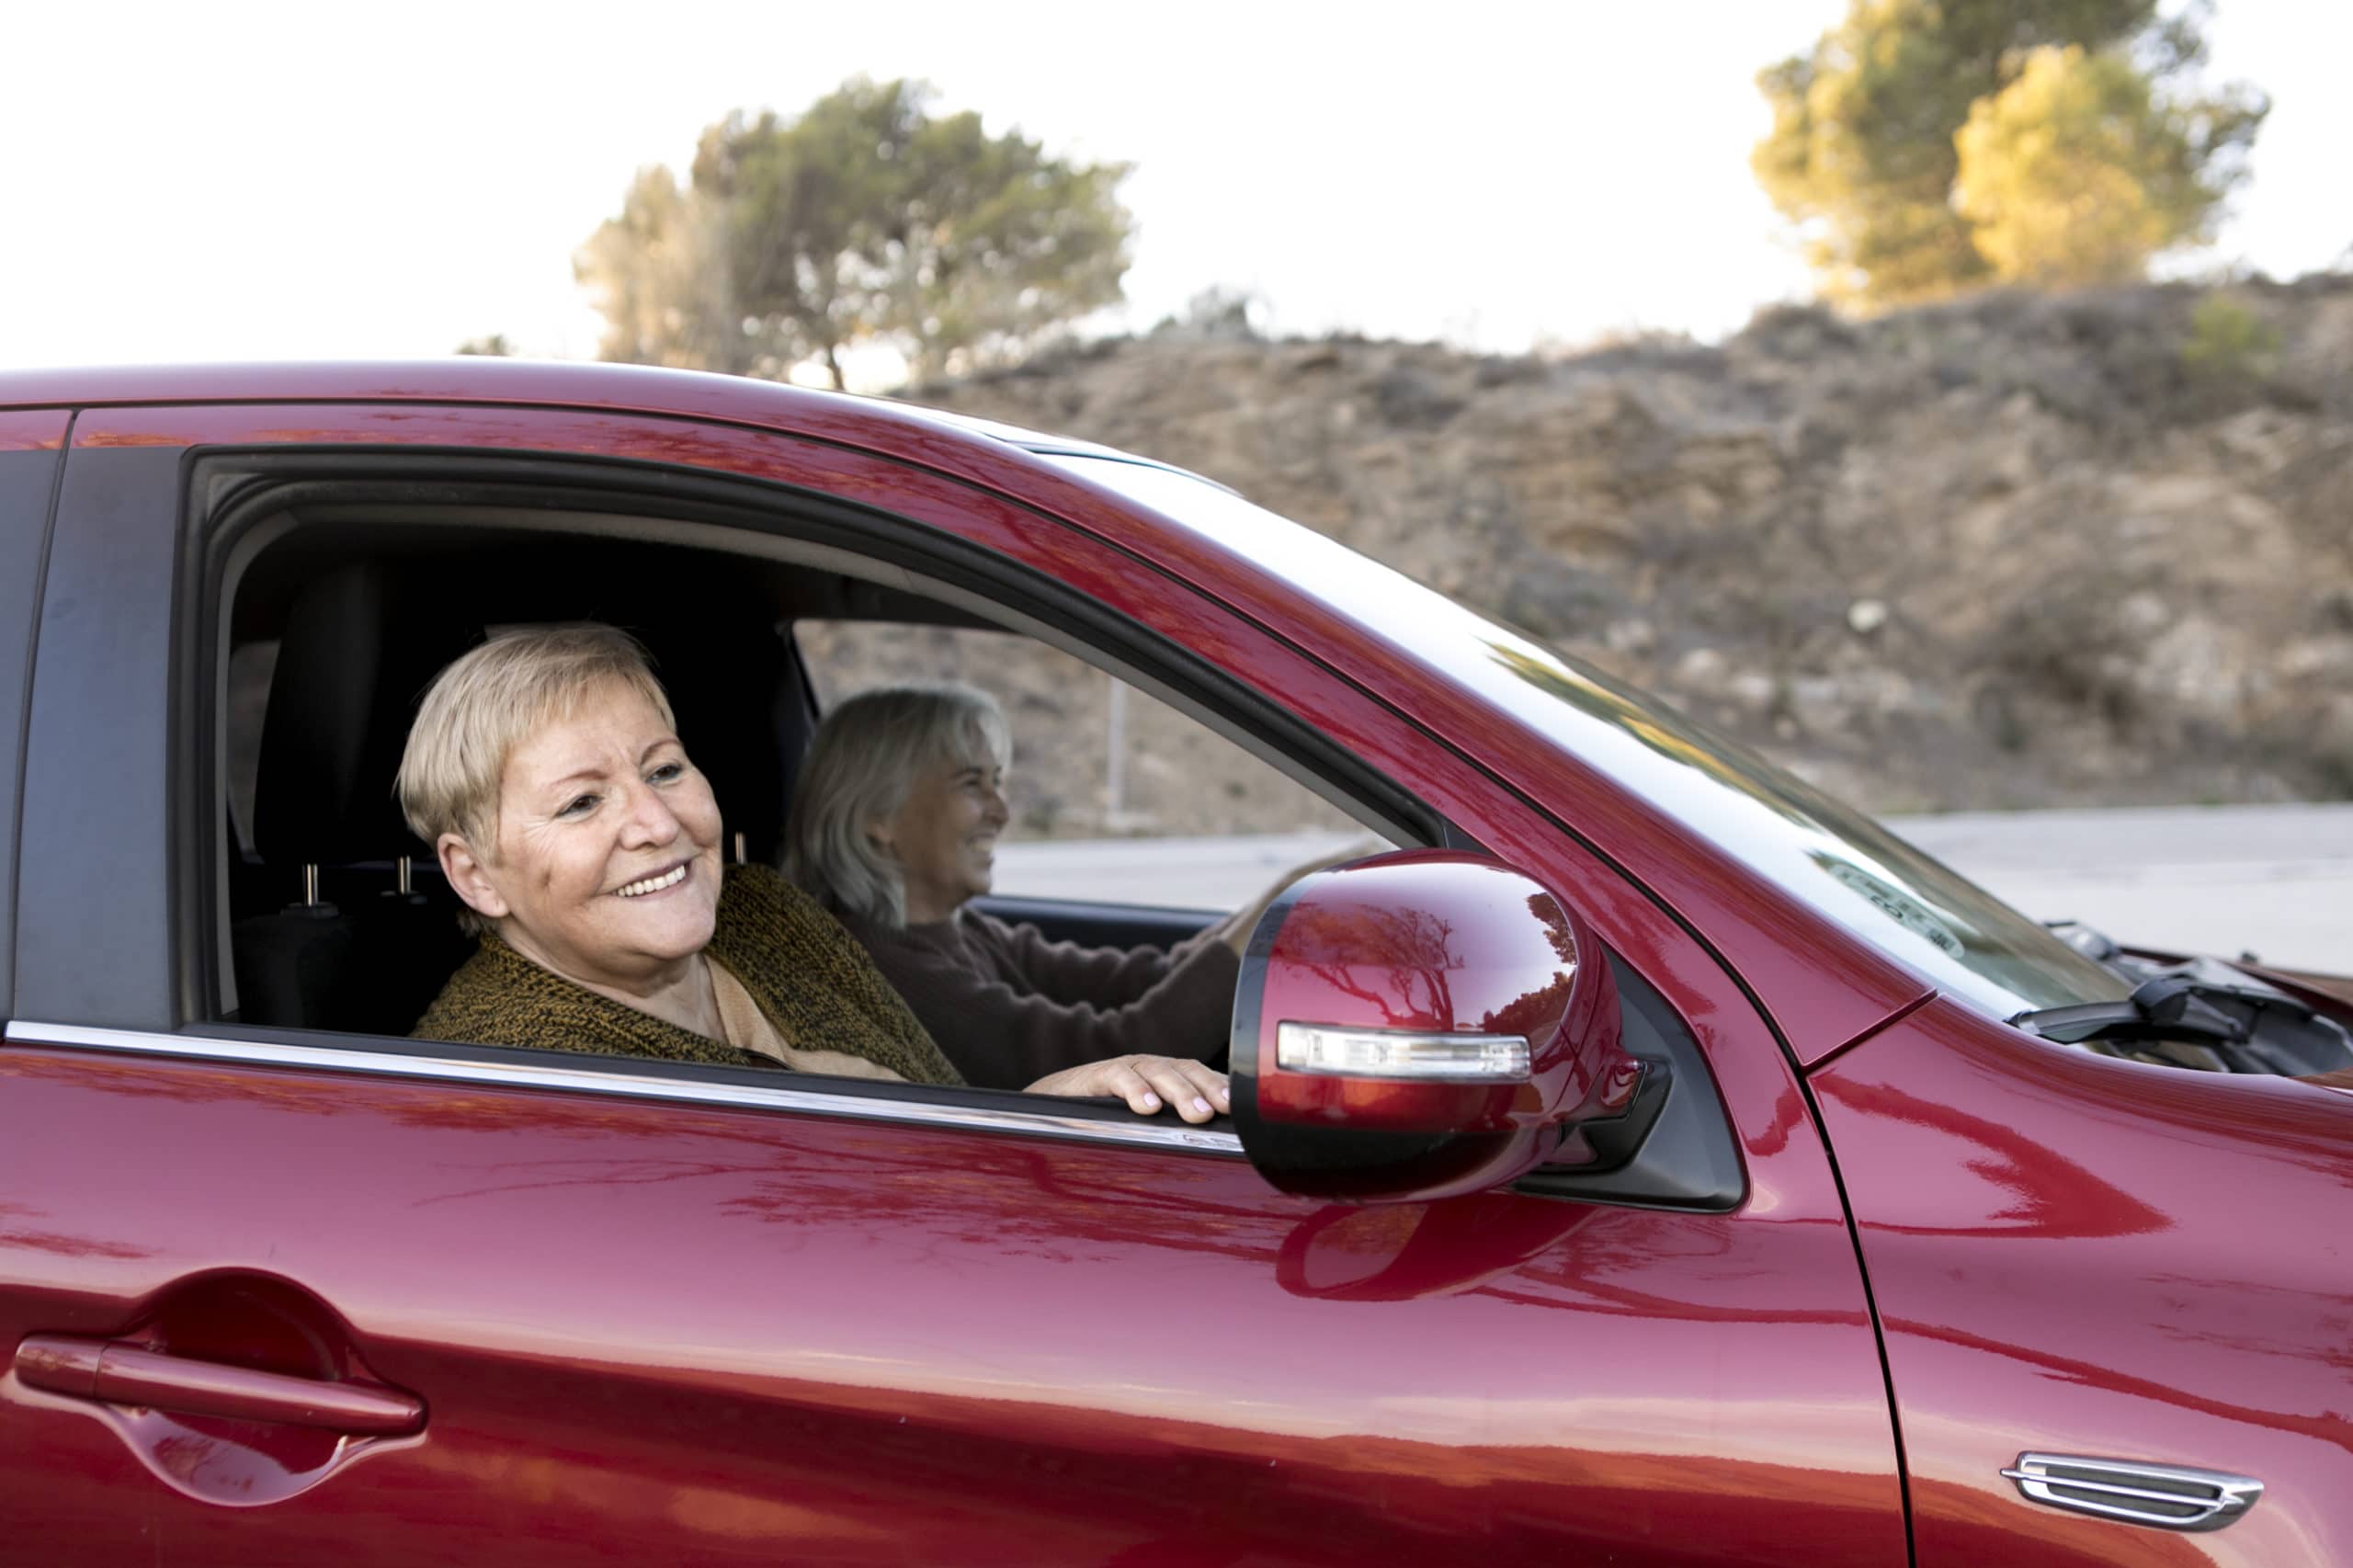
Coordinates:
(1134, 823)
(1829, 854)
(1115, 796)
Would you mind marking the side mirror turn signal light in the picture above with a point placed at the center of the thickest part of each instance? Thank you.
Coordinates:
(1332, 1052)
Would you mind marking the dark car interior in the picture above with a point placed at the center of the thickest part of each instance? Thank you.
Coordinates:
(338, 918)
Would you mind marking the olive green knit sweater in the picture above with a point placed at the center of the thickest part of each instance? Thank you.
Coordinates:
(810, 978)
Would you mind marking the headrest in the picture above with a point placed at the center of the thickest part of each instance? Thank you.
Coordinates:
(730, 677)
(357, 655)
(362, 644)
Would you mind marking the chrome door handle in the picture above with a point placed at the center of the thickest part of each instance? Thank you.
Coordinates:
(111, 1372)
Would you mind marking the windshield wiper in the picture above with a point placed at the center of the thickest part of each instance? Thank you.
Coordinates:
(2255, 1028)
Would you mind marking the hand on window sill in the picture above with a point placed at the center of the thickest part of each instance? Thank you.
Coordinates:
(1146, 1082)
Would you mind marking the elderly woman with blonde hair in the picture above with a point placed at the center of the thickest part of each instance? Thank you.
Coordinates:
(545, 769)
(893, 826)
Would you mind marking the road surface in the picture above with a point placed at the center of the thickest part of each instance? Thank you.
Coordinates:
(2274, 881)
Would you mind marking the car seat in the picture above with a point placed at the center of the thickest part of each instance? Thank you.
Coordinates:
(370, 935)
(360, 945)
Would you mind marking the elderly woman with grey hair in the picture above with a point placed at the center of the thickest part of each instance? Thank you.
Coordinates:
(893, 827)
(545, 769)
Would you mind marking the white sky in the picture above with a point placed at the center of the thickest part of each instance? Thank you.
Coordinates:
(321, 181)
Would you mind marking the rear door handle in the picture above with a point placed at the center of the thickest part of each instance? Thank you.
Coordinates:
(112, 1373)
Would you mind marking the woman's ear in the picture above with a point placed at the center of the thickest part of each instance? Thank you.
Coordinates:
(882, 837)
(467, 878)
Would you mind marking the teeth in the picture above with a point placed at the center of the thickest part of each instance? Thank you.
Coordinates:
(655, 885)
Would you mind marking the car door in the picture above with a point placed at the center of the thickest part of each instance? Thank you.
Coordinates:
(277, 1297)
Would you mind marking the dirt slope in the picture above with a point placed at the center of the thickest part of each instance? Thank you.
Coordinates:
(2017, 551)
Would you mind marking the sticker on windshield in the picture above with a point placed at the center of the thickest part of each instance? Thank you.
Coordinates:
(1893, 903)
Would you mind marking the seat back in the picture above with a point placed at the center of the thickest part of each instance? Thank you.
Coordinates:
(358, 946)
(362, 643)
(742, 716)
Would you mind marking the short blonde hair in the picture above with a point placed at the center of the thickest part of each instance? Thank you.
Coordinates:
(493, 699)
(860, 766)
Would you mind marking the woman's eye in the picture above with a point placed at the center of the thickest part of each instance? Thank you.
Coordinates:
(579, 806)
(666, 772)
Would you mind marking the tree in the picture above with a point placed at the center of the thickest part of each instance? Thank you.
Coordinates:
(666, 295)
(2087, 148)
(865, 217)
(2075, 174)
(1218, 314)
(492, 347)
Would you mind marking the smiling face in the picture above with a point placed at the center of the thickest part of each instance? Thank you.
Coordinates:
(607, 868)
(944, 836)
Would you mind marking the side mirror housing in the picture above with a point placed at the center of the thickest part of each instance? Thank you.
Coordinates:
(1425, 1024)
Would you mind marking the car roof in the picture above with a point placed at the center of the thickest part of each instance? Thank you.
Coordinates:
(637, 389)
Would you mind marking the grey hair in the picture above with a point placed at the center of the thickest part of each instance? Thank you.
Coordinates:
(863, 761)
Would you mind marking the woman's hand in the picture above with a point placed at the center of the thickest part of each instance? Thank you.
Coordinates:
(1146, 1082)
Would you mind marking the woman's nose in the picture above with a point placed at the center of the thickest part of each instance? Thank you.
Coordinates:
(993, 805)
(649, 820)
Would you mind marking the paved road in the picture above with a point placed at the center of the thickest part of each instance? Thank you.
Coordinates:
(2276, 880)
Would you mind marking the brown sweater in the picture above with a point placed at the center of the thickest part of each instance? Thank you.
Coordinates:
(813, 982)
(1009, 1006)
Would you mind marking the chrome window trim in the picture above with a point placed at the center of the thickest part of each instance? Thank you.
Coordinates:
(1171, 1137)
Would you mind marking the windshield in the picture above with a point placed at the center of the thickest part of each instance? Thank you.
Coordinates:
(1831, 857)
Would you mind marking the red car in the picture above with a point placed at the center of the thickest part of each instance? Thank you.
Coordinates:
(1651, 1162)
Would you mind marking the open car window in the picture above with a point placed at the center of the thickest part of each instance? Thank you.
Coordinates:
(333, 919)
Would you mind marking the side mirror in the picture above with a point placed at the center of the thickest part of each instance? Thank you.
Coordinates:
(1425, 1024)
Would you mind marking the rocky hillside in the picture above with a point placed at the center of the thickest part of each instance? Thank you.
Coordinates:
(2015, 551)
